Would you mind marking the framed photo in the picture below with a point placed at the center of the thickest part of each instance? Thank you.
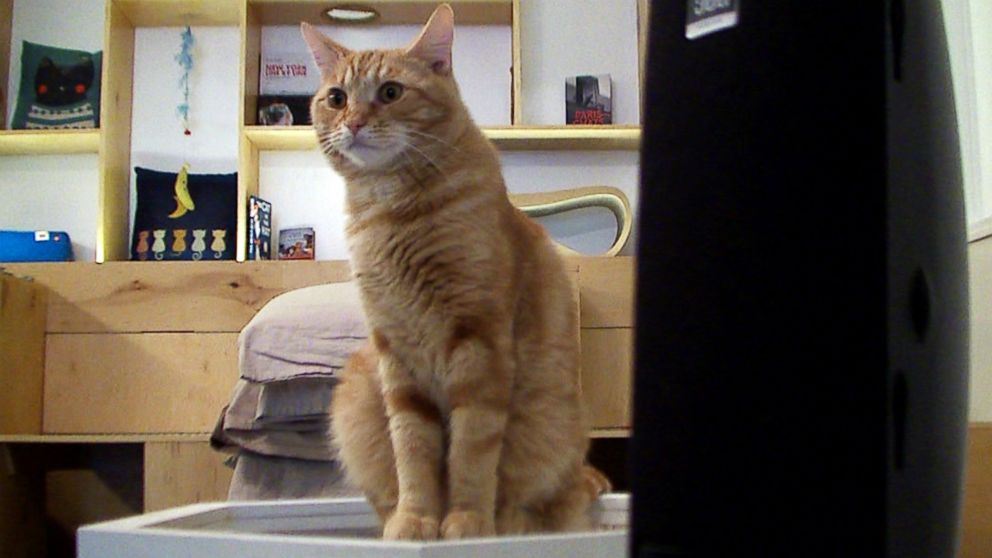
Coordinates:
(296, 244)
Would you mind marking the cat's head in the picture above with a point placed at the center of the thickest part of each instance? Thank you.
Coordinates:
(56, 85)
(378, 109)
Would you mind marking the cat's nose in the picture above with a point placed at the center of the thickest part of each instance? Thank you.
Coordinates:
(355, 127)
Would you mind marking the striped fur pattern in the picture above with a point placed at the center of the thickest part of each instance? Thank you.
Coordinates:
(463, 416)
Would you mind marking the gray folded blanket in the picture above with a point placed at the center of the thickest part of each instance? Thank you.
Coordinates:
(278, 419)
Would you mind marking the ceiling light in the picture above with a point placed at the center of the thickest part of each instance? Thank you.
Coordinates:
(351, 14)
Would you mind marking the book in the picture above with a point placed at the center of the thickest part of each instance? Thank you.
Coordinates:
(588, 100)
(259, 229)
(296, 244)
(288, 73)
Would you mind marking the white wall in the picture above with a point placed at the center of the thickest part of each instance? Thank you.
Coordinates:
(562, 38)
(52, 192)
(957, 23)
(980, 276)
(981, 35)
(969, 31)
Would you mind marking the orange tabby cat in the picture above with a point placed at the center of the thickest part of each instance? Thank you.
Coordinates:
(463, 417)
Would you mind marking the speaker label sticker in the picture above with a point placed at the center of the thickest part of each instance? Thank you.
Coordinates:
(704, 17)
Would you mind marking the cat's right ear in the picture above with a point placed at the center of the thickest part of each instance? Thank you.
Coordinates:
(326, 53)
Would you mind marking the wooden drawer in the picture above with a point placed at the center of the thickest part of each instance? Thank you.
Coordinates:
(138, 382)
(22, 354)
(607, 290)
(606, 377)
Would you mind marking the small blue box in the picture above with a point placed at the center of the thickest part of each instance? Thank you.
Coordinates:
(35, 246)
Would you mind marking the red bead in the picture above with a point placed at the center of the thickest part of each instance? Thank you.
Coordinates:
(188, 133)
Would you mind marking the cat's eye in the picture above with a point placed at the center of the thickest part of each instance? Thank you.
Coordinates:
(336, 98)
(390, 92)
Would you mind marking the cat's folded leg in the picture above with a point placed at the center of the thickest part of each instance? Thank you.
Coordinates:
(479, 385)
(417, 434)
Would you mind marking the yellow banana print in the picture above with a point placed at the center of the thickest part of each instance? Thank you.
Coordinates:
(184, 202)
(179, 211)
(182, 191)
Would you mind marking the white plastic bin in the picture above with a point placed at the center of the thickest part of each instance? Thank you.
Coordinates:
(336, 528)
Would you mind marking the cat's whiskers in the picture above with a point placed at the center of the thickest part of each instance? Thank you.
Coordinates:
(409, 144)
(433, 137)
(400, 139)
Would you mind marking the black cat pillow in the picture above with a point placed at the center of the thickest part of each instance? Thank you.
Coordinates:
(59, 88)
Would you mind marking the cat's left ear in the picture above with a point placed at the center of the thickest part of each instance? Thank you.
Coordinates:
(434, 43)
(326, 52)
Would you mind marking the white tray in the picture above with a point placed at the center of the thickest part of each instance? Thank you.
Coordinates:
(338, 528)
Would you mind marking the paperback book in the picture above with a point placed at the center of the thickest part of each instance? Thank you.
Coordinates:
(588, 100)
(259, 229)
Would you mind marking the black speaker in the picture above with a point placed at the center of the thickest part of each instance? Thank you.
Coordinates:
(802, 338)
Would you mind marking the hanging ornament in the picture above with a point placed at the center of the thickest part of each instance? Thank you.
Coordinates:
(184, 202)
(185, 60)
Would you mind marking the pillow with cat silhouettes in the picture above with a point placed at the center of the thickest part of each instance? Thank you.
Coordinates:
(192, 219)
(59, 88)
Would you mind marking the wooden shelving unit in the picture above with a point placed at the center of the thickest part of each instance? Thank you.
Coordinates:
(129, 316)
(112, 142)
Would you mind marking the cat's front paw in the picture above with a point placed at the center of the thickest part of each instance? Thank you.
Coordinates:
(410, 527)
(467, 524)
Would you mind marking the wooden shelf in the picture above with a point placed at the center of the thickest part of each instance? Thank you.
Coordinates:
(49, 142)
(176, 13)
(610, 433)
(509, 138)
(571, 138)
(281, 138)
(391, 12)
(101, 438)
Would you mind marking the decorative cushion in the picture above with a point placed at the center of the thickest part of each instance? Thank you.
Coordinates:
(166, 229)
(59, 88)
